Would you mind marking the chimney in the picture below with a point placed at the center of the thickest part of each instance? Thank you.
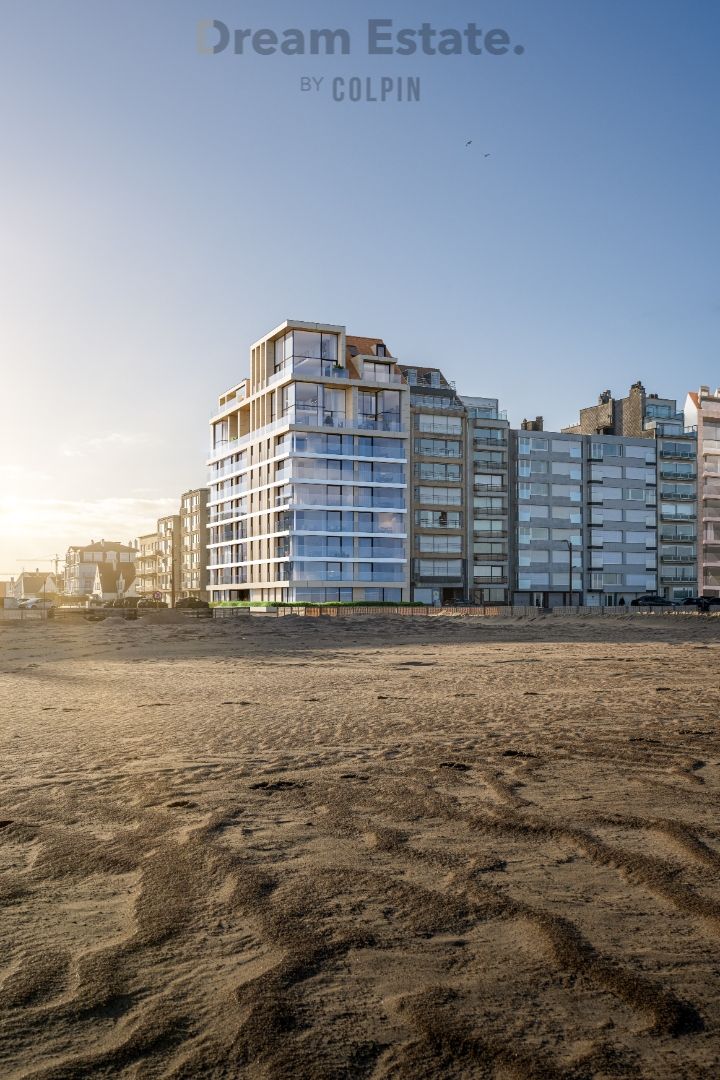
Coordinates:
(704, 391)
(605, 397)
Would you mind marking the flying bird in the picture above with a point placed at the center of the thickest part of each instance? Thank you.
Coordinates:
(469, 142)
(486, 155)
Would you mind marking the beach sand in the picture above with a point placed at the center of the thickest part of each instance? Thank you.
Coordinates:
(387, 848)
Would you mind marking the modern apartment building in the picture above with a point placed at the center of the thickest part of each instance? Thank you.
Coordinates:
(488, 518)
(168, 558)
(146, 565)
(81, 561)
(438, 471)
(648, 415)
(702, 412)
(584, 515)
(193, 543)
(308, 472)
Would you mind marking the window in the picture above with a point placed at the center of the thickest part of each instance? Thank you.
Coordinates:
(488, 502)
(598, 494)
(567, 468)
(446, 568)
(606, 536)
(566, 491)
(446, 496)
(529, 535)
(531, 491)
(605, 472)
(567, 513)
(381, 373)
(445, 545)
(567, 534)
(532, 558)
(489, 525)
(531, 445)
(438, 448)
(532, 468)
(489, 480)
(567, 446)
(600, 450)
(489, 457)
(439, 425)
(488, 572)
(533, 513)
(533, 581)
(490, 547)
(436, 470)
(438, 519)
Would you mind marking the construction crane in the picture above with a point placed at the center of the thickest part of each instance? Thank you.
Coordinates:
(43, 558)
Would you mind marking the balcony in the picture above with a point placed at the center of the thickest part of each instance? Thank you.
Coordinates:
(675, 494)
(666, 557)
(688, 476)
(310, 367)
(681, 455)
(498, 556)
(676, 517)
(490, 489)
(691, 538)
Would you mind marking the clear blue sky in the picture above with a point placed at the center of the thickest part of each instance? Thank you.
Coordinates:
(161, 209)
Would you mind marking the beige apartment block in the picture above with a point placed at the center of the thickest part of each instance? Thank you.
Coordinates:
(702, 410)
(308, 472)
(168, 558)
(146, 565)
(193, 542)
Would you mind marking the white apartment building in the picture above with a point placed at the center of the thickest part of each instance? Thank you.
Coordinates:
(308, 480)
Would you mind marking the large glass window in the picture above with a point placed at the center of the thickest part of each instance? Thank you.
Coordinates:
(445, 568)
(438, 470)
(531, 444)
(443, 495)
(439, 425)
(438, 448)
(444, 545)
(567, 446)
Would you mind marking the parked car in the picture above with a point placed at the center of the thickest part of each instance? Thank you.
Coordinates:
(192, 602)
(34, 603)
(649, 600)
(707, 603)
(145, 602)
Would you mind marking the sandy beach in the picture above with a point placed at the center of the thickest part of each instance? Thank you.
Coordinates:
(304, 848)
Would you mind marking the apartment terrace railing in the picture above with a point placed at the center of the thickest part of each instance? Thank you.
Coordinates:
(673, 493)
(683, 455)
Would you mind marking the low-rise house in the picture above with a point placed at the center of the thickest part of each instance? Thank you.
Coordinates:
(35, 585)
(80, 563)
(114, 584)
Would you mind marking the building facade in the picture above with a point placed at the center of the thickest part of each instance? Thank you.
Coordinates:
(81, 561)
(702, 412)
(168, 558)
(488, 519)
(308, 472)
(146, 565)
(193, 543)
(653, 417)
(584, 518)
(438, 479)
